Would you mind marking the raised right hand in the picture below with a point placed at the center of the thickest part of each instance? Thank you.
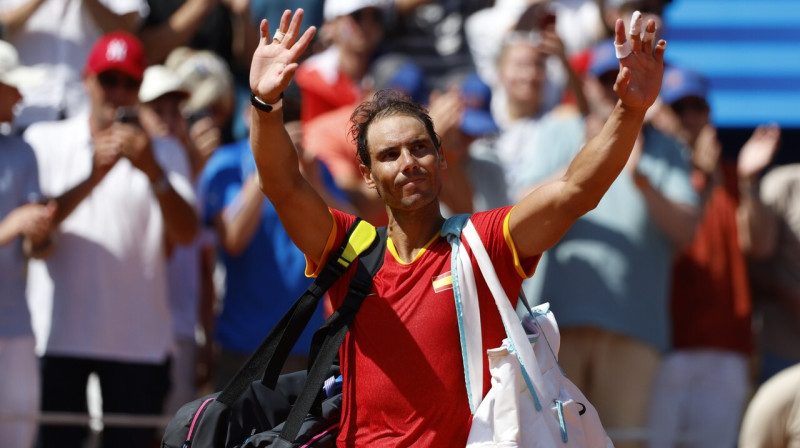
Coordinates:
(275, 59)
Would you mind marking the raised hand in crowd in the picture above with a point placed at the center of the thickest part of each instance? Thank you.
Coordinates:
(758, 225)
(758, 152)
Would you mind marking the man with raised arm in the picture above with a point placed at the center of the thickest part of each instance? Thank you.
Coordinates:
(401, 361)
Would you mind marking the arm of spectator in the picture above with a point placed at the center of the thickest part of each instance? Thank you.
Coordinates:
(554, 46)
(756, 223)
(245, 34)
(34, 222)
(446, 110)
(203, 138)
(180, 219)
(238, 222)
(555, 206)
(677, 220)
(206, 314)
(105, 156)
(161, 39)
(12, 20)
(303, 212)
(108, 21)
(705, 164)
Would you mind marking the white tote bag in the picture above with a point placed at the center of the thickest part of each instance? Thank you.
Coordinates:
(531, 403)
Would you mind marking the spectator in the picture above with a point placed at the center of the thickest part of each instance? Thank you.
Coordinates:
(577, 22)
(404, 340)
(57, 35)
(704, 382)
(607, 279)
(773, 416)
(465, 124)
(776, 271)
(334, 77)
(223, 27)
(190, 267)
(211, 106)
(121, 197)
(24, 222)
(527, 103)
(431, 34)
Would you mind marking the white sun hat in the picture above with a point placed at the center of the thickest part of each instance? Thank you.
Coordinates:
(14, 74)
(159, 80)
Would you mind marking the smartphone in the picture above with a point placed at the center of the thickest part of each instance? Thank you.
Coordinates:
(127, 115)
(196, 116)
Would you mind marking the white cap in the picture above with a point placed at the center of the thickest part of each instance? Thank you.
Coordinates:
(14, 74)
(158, 81)
(205, 74)
(338, 8)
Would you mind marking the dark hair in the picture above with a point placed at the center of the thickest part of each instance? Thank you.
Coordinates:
(385, 103)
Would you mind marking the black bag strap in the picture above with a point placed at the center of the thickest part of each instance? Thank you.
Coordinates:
(327, 340)
(271, 354)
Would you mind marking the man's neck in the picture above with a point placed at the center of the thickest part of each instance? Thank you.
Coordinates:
(411, 231)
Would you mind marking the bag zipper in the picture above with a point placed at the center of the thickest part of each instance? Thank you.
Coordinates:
(200, 410)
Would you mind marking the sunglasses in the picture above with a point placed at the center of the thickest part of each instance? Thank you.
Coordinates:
(114, 80)
(371, 14)
(693, 104)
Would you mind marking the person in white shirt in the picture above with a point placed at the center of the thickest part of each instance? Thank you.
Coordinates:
(121, 199)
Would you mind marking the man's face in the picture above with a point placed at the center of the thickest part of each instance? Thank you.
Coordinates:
(523, 72)
(166, 114)
(361, 31)
(693, 113)
(110, 90)
(406, 165)
(9, 97)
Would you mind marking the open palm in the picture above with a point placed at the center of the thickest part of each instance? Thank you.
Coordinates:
(758, 152)
(639, 79)
(275, 59)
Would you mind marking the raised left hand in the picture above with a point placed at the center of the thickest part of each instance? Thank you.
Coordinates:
(758, 152)
(639, 78)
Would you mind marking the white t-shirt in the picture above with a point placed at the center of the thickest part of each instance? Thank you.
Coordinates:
(58, 37)
(106, 281)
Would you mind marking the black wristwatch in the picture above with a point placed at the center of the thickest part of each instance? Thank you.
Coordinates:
(259, 104)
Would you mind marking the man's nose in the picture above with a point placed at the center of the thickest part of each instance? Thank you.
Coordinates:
(407, 158)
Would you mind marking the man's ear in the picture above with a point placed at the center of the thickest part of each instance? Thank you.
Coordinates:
(442, 158)
(366, 174)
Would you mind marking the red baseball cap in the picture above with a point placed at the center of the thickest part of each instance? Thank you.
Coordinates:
(117, 51)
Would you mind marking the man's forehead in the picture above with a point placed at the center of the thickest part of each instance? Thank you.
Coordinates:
(395, 130)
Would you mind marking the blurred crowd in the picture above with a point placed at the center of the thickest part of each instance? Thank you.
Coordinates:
(137, 246)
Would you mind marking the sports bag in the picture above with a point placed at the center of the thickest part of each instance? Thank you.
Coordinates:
(295, 407)
(531, 403)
